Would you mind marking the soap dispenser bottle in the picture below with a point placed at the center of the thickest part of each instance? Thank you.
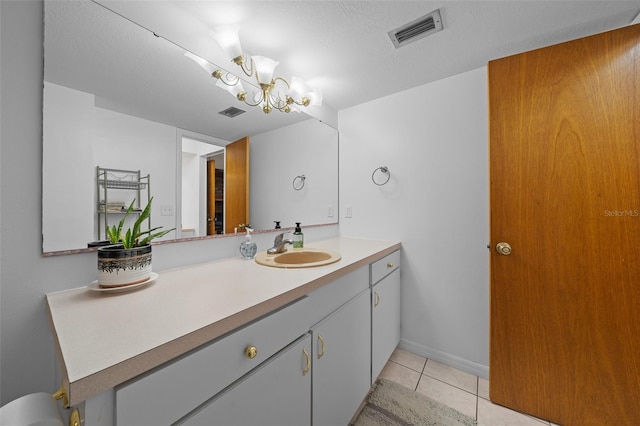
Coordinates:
(298, 237)
(248, 248)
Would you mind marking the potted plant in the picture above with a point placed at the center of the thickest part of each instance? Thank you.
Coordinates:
(127, 260)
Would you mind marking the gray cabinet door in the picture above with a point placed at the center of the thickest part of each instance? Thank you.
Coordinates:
(385, 321)
(342, 362)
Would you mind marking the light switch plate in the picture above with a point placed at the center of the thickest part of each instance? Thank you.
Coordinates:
(166, 210)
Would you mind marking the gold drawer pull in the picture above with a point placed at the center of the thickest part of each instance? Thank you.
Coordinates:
(308, 362)
(321, 340)
(61, 394)
(74, 418)
(251, 352)
(377, 299)
(390, 265)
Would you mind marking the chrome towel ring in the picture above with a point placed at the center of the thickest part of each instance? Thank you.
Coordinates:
(383, 170)
(298, 182)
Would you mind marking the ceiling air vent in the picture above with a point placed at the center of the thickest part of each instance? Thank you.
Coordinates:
(415, 30)
(232, 112)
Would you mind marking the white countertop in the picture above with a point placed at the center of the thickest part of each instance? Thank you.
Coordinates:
(104, 339)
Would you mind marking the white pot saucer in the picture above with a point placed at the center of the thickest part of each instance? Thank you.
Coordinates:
(94, 286)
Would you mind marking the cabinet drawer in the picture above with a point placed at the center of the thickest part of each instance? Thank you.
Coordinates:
(385, 266)
(170, 392)
(276, 393)
(330, 297)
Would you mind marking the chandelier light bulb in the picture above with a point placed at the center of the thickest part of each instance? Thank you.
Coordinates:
(315, 96)
(227, 37)
(264, 68)
(208, 66)
(298, 88)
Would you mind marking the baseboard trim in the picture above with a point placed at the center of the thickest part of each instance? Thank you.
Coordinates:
(446, 358)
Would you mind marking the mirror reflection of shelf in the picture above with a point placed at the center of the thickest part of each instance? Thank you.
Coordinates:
(123, 184)
(118, 179)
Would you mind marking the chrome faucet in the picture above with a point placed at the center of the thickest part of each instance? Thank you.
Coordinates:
(279, 244)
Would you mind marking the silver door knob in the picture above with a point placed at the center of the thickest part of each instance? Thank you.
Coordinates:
(503, 248)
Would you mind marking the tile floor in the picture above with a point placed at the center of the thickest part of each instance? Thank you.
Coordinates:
(465, 392)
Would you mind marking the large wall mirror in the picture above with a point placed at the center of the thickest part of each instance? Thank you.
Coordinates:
(121, 97)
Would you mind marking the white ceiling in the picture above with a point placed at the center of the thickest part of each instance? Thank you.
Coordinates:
(341, 46)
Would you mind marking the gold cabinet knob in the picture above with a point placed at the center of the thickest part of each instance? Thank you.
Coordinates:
(251, 352)
(390, 265)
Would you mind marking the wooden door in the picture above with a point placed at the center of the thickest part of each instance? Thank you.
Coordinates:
(236, 185)
(565, 194)
(211, 197)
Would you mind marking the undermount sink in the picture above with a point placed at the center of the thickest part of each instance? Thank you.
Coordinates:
(298, 258)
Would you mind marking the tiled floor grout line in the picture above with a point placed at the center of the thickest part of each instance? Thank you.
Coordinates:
(477, 397)
(422, 374)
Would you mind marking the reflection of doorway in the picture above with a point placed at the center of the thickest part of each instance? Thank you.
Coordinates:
(196, 155)
(215, 187)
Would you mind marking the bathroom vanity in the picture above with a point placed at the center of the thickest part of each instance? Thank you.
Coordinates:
(233, 342)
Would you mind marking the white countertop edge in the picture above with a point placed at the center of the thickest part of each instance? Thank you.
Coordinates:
(91, 370)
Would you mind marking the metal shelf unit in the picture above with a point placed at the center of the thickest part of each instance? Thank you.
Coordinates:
(118, 179)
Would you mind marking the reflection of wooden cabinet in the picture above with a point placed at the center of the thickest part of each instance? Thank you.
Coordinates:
(215, 199)
(116, 189)
(219, 202)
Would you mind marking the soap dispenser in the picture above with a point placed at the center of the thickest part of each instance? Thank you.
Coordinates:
(248, 248)
(298, 237)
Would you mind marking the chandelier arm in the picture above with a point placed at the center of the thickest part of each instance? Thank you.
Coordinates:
(273, 82)
(247, 70)
(278, 102)
(231, 81)
(257, 103)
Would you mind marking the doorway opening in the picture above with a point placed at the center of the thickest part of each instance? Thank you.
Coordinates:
(202, 204)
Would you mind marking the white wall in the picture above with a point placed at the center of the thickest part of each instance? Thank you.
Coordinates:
(306, 148)
(190, 191)
(27, 356)
(125, 142)
(434, 140)
(78, 137)
(69, 186)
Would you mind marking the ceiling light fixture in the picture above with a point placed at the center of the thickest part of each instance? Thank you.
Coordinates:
(274, 92)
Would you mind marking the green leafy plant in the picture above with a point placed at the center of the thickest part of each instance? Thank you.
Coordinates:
(134, 237)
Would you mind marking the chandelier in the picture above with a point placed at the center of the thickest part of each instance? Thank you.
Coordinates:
(272, 92)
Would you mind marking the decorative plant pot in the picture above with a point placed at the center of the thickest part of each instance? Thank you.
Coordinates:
(119, 267)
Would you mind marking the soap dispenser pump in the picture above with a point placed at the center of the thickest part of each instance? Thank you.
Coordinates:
(298, 237)
(248, 248)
